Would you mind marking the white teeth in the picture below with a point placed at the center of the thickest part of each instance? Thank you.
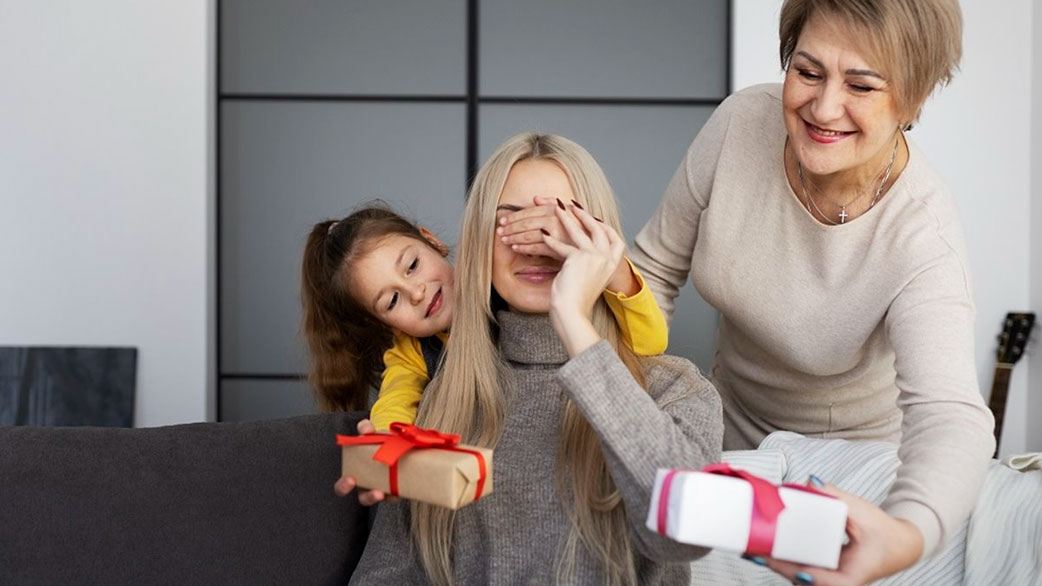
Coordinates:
(824, 132)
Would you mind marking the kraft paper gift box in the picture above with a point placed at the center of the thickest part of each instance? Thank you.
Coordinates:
(731, 510)
(419, 464)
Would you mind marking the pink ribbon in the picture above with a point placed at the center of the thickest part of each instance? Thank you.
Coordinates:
(767, 505)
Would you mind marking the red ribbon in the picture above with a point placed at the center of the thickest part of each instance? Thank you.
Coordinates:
(767, 505)
(405, 437)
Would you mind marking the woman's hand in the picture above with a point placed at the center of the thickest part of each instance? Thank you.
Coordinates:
(524, 230)
(879, 546)
(346, 484)
(591, 254)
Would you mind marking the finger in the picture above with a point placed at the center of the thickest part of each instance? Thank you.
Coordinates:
(370, 497)
(536, 211)
(546, 221)
(344, 485)
(366, 426)
(526, 237)
(538, 249)
(599, 231)
(559, 248)
(572, 227)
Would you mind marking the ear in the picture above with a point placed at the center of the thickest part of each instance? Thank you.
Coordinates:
(433, 240)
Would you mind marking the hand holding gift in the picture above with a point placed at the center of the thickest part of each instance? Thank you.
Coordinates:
(732, 510)
(880, 545)
(415, 463)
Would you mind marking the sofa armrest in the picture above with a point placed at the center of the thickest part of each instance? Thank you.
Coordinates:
(208, 503)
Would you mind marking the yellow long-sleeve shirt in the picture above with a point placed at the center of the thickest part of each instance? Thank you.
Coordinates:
(405, 375)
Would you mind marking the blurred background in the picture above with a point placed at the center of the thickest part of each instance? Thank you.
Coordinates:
(161, 162)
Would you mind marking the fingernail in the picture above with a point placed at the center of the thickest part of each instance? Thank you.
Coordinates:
(599, 220)
(804, 578)
(577, 204)
(544, 231)
(754, 559)
(560, 204)
(816, 482)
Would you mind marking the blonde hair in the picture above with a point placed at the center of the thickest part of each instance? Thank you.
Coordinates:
(467, 396)
(918, 43)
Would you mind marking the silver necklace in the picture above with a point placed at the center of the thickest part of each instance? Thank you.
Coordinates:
(843, 215)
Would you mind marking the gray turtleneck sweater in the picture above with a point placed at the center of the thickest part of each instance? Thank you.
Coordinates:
(513, 536)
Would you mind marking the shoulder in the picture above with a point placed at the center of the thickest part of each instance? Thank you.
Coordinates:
(754, 102)
(922, 219)
(403, 345)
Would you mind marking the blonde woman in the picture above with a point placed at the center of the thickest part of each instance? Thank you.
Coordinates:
(535, 368)
(835, 256)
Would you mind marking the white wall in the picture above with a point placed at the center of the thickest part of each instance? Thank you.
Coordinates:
(104, 188)
(1035, 355)
(975, 134)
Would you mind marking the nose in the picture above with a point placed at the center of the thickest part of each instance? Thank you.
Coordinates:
(829, 103)
(417, 292)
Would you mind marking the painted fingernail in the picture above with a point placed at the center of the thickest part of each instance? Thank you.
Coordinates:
(544, 231)
(577, 204)
(599, 220)
(816, 482)
(560, 204)
(754, 559)
(804, 578)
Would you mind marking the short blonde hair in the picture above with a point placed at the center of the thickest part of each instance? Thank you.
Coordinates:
(917, 43)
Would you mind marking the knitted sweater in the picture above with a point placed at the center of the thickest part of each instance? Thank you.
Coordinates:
(513, 536)
(861, 331)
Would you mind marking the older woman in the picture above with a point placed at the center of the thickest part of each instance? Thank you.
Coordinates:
(835, 256)
(535, 366)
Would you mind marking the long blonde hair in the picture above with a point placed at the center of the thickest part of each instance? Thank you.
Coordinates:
(468, 397)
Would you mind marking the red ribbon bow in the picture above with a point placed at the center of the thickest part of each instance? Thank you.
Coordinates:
(767, 505)
(405, 437)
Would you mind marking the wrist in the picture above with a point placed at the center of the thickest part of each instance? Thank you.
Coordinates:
(575, 330)
(623, 281)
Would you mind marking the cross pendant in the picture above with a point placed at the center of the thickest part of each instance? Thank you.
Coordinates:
(843, 215)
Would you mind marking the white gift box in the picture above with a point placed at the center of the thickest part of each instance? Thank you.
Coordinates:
(714, 510)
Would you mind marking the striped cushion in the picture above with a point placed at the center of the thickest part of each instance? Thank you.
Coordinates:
(862, 468)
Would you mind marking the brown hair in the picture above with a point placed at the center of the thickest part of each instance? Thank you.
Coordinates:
(346, 342)
(918, 43)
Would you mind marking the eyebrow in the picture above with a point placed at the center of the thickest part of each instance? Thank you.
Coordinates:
(509, 208)
(819, 64)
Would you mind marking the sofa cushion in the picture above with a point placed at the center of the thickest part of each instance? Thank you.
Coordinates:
(208, 503)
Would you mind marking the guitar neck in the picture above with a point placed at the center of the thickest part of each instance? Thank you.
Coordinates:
(999, 391)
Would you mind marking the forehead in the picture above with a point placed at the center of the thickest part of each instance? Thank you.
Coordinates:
(831, 38)
(533, 177)
(370, 270)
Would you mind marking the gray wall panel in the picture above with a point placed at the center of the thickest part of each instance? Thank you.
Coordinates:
(355, 47)
(252, 400)
(604, 48)
(639, 149)
(287, 165)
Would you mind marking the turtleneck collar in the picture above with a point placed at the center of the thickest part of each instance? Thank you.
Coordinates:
(529, 338)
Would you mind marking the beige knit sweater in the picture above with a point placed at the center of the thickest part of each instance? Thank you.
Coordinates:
(858, 331)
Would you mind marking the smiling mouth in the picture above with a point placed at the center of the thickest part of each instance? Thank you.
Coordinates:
(537, 274)
(435, 304)
(828, 133)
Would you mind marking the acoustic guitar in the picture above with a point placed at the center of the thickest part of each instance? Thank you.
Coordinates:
(1015, 333)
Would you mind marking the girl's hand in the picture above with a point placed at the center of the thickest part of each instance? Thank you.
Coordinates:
(524, 230)
(879, 546)
(346, 484)
(590, 260)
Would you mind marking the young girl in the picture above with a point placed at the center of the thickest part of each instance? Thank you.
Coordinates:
(378, 295)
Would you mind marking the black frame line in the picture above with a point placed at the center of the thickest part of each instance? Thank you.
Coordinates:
(471, 99)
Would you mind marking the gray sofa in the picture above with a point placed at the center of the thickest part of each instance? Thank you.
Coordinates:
(208, 503)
